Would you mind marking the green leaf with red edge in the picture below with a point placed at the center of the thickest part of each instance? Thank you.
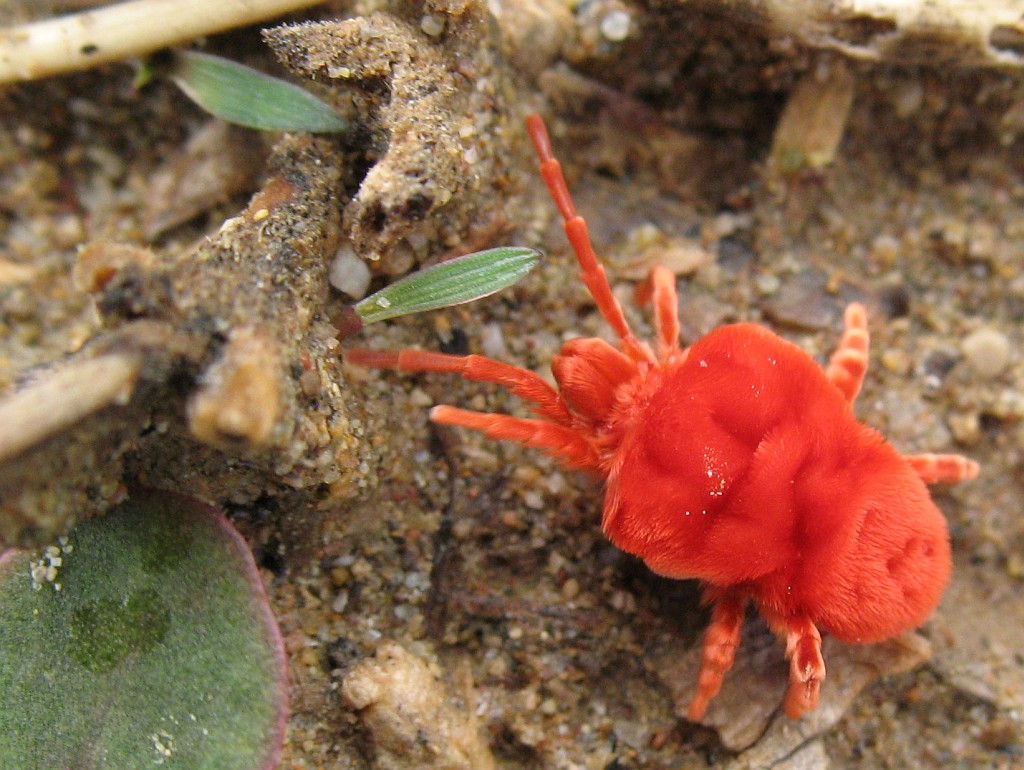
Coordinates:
(144, 639)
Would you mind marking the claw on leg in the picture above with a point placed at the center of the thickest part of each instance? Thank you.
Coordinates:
(806, 668)
(848, 365)
(720, 643)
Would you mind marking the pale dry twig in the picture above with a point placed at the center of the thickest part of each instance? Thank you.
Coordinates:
(69, 43)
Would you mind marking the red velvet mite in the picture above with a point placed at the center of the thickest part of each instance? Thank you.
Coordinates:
(737, 461)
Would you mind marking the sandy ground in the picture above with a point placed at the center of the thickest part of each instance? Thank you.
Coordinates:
(470, 577)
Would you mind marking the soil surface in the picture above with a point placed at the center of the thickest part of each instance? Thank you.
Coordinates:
(778, 180)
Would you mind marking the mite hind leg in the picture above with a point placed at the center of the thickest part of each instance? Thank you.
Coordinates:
(806, 667)
(849, 363)
(949, 469)
(720, 642)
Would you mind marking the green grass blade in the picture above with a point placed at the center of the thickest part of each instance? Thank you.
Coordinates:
(241, 95)
(454, 282)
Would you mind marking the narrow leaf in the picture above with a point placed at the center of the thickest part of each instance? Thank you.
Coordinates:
(246, 97)
(454, 282)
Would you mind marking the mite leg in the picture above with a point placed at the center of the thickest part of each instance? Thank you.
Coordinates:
(848, 365)
(521, 382)
(945, 468)
(552, 434)
(576, 230)
(557, 440)
(661, 287)
(806, 667)
(720, 643)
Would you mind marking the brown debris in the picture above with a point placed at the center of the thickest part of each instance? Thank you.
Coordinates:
(433, 102)
(746, 713)
(13, 273)
(812, 124)
(412, 717)
(239, 400)
(534, 32)
(65, 398)
(98, 262)
(262, 380)
(219, 161)
(66, 437)
(265, 270)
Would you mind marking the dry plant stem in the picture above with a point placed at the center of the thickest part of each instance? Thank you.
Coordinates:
(69, 43)
(261, 279)
(42, 411)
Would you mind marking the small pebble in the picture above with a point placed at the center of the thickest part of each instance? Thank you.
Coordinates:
(1015, 565)
(340, 602)
(616, 26)
(361, 569)
(1000, 733)
(349, 273)
(908, 97)
(309, 382)
(432, 25)
(399, 260)
(492, 341)
(886, 249)
(420, 398)
(767, 284)
(623, 601)
(966, 428)
(533, 499)
(339, 576)
(897, 361)
(570, 589)
(462, 529)
(497, 668)
(987, 352)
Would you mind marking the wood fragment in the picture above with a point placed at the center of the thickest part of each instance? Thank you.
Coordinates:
(813, 122)
(42, 411)
(122, 30)
(240, 400)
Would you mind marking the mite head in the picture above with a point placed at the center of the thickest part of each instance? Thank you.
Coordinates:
(589, 372)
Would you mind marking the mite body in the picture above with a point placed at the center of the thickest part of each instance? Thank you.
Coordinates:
(737, 461)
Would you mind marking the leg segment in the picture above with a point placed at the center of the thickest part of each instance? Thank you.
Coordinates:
(576, 230)
(806, 667)
(661, 287)
(720, 643)
(551, 434)
(848, 365)
(521, 382)
(557, 440)
(945, 468)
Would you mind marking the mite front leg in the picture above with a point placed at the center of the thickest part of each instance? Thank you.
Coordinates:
(558, 441)
(720, 643)
(848, 365)
(593, 272)
(806, 667)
